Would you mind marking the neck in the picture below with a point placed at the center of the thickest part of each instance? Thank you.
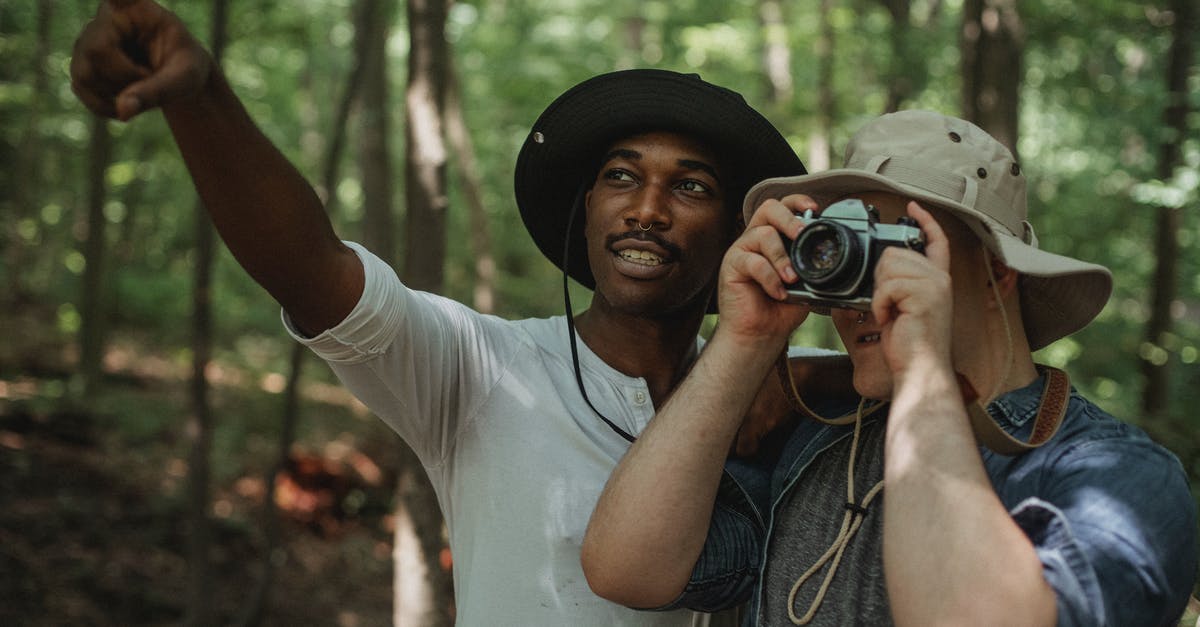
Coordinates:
(1003, 362)
(659, 350)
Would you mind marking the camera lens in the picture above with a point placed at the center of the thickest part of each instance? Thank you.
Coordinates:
(824, 255)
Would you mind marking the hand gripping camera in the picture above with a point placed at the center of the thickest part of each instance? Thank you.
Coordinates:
(836, 253)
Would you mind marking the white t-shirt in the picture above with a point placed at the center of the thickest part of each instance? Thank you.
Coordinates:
(517, 458)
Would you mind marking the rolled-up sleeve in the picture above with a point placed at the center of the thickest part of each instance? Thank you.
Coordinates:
(726, 571)
(1114, 526)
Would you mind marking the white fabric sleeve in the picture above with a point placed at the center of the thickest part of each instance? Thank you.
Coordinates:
(422, 363)
(370, 327)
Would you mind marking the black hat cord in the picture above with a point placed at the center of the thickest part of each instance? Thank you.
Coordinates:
(575, 208)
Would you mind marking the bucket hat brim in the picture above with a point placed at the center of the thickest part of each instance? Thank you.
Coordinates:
(1059, 295)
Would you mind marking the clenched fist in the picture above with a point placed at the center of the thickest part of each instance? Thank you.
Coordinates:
(135, 55)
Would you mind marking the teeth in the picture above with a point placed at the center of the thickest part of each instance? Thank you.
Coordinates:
(874, 337)
(641, 257)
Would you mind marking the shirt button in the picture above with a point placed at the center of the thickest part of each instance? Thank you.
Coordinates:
(639, 398)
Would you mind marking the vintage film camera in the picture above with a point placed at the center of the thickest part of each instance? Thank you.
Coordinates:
(835, 254)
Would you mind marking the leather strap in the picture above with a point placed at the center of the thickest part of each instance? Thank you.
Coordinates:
(1055, 394)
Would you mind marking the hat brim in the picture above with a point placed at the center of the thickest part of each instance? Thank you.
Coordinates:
(562, 153)
(1059, 294)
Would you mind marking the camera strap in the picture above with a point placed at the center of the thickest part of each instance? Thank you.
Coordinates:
(1056, 392)
(1052, 409)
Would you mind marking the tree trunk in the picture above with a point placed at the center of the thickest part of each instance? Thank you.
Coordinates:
(375, 163)
(634, 30)
(1156, 362)
(94, 314)
(290, 416)
(820, 151)
(484, 294)
(901, 65)
(199, 427)
(777, 58)
(820, 144)
(991, 46)
(26, 168)
(425, 252)
(425, 165)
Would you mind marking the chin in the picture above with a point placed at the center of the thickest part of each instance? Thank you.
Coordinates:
(872, 386)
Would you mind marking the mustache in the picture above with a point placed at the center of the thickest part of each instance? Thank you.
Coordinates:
(644, 236)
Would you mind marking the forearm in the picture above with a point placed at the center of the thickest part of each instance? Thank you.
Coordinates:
(653, 516)
(952, 553)
(265, 211)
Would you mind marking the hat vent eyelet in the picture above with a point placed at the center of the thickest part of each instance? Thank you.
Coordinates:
(982, 173)
(1016, 169)
(538, 138)
(955, 137)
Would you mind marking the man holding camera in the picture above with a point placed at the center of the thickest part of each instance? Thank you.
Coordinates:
(631, 182)
(895, 512)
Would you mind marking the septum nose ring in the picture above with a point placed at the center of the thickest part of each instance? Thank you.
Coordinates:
(645, 229)
(862, 317)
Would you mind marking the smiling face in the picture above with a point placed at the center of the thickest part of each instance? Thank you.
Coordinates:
(657, 226)
(872, 377)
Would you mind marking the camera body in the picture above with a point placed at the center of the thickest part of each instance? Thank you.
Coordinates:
(836, 253)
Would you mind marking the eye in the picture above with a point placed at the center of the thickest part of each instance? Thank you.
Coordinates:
(617, 174)
(692, 185)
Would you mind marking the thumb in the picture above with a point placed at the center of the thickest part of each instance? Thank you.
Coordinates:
(129, 104)
(180, 76)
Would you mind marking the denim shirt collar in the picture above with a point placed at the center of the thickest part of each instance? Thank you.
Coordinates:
(1015, 408)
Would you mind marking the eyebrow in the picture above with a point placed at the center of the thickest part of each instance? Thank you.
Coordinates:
(687, 163)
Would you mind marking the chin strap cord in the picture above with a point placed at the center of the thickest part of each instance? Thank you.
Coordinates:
(856, 512)
(571, 317)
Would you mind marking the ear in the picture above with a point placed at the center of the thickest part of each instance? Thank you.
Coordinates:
(1004, 277)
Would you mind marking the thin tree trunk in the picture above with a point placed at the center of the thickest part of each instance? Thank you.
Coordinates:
(634, 29)
(26, 168)
(991, 47)
(820, 145)
(375, 161)
(91, 336)
(290, 415)
(200, 423)
(1156, 364)
(777, 57)
(425, 253)
(484, 294)
(425, 165)
(820, 150)
(901, 65)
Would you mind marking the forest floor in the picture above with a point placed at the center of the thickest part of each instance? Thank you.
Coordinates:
(86, 538)
(94, 521)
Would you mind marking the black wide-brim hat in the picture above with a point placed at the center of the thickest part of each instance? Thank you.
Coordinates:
(562, 153)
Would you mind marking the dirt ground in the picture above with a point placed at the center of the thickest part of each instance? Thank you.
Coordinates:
(92, 533)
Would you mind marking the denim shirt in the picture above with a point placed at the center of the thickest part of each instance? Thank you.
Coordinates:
(1108, 511)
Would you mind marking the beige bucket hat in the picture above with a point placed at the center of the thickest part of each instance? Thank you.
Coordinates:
(954, 165)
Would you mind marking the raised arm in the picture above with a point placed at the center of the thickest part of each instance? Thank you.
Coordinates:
(135, 55)
(952, 554)
(652, 519)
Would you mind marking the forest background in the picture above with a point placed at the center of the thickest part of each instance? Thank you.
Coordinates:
(165, 455)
